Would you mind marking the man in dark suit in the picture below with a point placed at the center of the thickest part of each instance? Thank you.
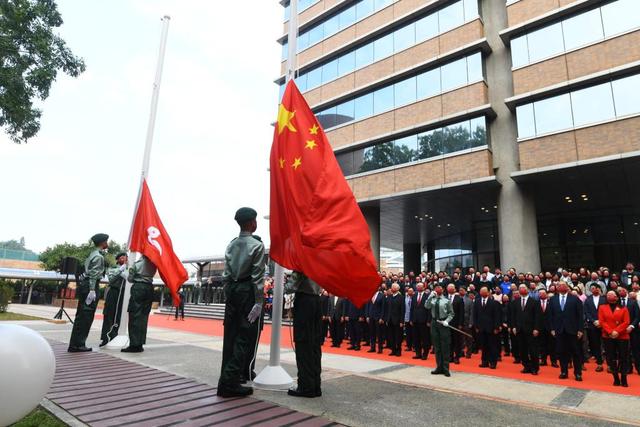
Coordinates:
(525, 323)
(458, 311)
(352, 317)
(567, 324)
(634, 314)
(486, 320)
(594, 330)
(375, 317)
(336, 316)
(326, 301)
(394, 318)
(547, 341)
(420, 317)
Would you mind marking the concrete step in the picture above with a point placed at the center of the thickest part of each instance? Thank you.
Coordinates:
(201, 311)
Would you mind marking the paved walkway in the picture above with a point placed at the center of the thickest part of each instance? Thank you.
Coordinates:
(360, 391)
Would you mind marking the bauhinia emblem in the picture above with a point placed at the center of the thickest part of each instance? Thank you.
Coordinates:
(152, 234)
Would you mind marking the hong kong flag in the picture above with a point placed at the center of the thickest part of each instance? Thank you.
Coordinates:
(316, 225)
(149, 237)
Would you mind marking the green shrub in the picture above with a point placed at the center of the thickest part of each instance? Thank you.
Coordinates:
(6, 293)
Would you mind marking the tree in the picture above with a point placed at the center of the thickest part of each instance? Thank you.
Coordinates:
(52, 257)
(31, 55)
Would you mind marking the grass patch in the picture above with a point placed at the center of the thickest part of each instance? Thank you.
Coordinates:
(39, 418)
(17, 316)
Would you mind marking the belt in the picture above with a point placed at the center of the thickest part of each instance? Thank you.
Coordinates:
(242, 280)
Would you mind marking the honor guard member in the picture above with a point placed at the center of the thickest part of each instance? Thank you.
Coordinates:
(442, 314)
(307, 325)
(113, 299)
(243, 278)
(94, 267)
(141, 276)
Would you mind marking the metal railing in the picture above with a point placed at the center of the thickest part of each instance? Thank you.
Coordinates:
(18, 255)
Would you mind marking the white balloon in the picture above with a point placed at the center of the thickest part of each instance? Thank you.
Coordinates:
(28, 366)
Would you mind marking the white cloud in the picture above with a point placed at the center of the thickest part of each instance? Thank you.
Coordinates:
(212, 136)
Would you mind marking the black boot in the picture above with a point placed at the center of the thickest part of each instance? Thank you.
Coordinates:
(616, 379)
(623, 380)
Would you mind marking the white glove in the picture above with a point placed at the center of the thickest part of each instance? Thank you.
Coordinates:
(254, 313)
(123, 267)
(445, 323)
(90, 298)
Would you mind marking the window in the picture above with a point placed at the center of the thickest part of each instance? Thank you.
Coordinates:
(383, 47)
(427, 27)
(478, 136)
(363, 106)
(553, 114)
(364, 8)
(456, 138)
(404, 37)
(470, 10)
(582, 29)
(474, 68)
(364, 55)
(405, 149)
(301, 82)
(430, 144)
(383, 100)
(332, 25)
(451, 16)
(327, 118)
(347, 17)
(593, 104)
(625, 94)
(526, 122)
(314, 78)
(330, 71)
(454, 74)
(545, 42)
(316, 34)
(519, 51)
(620, 16)
(346, 63)
(428, 83)
(405, 92)
(345, 112)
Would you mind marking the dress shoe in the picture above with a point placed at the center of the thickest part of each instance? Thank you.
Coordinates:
(318, 393)
(82, 349)
(447, 374)
(616, 381)
(393, 353)
(609, 370)
(380, 351)
(499, 358)
(357, 348)
(468, 356)
(534, 372)
(351, 348)
(516, 361)
(578, 377)
(554, 364)
(493, 366)
(234, 391)
(398, 354)
(543, 363)
(103, 343)
(335, 346)
(300, 393)
(424, 357)
(507, 354)
(483, 365)
(371, 350)
(456, 361)
(599, 368)
(417, 357)
(437, 372)
(525, 371)
(623, 381)
(563, 376)
(132, 349)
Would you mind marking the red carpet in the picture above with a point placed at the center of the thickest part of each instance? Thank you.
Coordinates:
(600, 381)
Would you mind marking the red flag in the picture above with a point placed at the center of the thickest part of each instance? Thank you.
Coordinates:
(149, 237)
(316, 225)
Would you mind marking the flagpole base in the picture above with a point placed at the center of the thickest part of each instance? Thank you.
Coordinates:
(119, 342)
(273, 378)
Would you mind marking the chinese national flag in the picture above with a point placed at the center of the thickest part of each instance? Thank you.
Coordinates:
(149, 238)
(317, 227)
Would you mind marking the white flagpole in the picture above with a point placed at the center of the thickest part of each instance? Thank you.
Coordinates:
(122, 340)
(273, 376)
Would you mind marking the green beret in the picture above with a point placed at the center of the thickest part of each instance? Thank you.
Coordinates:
(99, 238)
(121, 254)
(244, 215)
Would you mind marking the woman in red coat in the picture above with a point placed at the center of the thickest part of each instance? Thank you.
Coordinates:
(614, 321)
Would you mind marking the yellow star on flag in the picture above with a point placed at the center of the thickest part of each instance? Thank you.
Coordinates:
(296, 163)
(311, 144)
(284, 119)
(314, 129)
(282, 161)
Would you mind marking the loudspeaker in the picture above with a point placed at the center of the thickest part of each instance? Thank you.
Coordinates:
(69, 265)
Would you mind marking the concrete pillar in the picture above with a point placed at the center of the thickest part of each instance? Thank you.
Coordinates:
(30, 291)
(411, 256)
(372, 216)
(517, 224)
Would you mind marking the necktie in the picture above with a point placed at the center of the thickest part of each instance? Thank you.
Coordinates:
(544, 305)
(484, 302)
(524, 301)
(437, 308)
(624, 302)
(419, 298)
(562, 302)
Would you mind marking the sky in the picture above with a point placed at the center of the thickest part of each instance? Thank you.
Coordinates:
(80, 174)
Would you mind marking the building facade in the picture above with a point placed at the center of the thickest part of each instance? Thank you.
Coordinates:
(480, 132)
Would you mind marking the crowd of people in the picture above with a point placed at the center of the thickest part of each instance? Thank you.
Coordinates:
(563, 318)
